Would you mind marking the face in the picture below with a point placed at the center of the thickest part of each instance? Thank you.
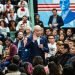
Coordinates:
(28, 31)
(61, 37)
(2, 23)
(69, 32)
(7, 43)
(54, 12)
(20, 35)
(9, 2)
(64, 4)
(55, 32)
(24, 18)
(71, 44)
(48, 32)
(38, 32)
(61, 32)
(37, 17)
(62, 49)
(22, 5)
(72, 50)
(51, 39)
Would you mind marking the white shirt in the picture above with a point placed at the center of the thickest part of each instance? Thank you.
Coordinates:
(4, 31)
(8, 9)
(25, 25)
(20, 13)
(1, 8)
(13, 18)
(52, 49)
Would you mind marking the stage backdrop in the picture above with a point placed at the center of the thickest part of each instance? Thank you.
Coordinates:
(66, 9)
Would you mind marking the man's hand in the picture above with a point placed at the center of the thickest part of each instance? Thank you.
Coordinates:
(50, 25)
(55, 25)
(34, 37)
(41, 46)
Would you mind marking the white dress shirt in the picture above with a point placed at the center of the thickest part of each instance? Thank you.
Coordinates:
(8, 9)
(13, 18)
(21, 13)
(25, 25)
(1, 8)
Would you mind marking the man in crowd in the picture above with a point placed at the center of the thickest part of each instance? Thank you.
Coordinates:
(55, 21)
(38, 45)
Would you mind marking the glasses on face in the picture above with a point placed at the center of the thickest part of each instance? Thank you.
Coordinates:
(50, 38)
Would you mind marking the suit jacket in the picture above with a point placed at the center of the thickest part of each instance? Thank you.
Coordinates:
(59, 21)
(34, 48)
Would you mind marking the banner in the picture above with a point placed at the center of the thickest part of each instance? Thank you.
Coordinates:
(65, 8)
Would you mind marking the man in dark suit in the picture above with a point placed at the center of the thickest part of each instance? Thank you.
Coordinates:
(55, 21)
(38, 44)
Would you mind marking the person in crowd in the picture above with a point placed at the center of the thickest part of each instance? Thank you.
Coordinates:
(68, 70)
(24, 22)
(71, 43)
(8, 6)
(52, 46)
(55, 34)
(23, 1)
(69, 34)
(11, 47)
(62, 37)
(28, 31)
(39, 70)
(61, 31)
(9, 52)
(12, 15)
(13, 70)
(37, 20)
(55, 21)
(24, 50)
(72, 50)
(19, 39)
(48, 32)
(37, 44)
(22, 11)
(28, 68)
(64, 56)
(3, 28)
(53, 69)
(12, 25)
(37, 60)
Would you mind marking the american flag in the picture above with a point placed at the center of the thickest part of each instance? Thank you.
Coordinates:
(49, 7)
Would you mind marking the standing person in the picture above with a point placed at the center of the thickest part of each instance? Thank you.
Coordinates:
(23, 22)
(37, 44)
(37, 20)
(55, 21)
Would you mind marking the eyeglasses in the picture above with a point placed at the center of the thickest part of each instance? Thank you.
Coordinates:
(50, 38)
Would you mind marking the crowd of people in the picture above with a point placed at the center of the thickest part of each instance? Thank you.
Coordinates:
(38, 51)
